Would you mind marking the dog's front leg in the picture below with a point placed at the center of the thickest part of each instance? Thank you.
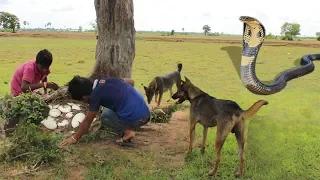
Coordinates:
(205, 132)
(192, 134)
(160, 97)
(170, 90)
(155, 97)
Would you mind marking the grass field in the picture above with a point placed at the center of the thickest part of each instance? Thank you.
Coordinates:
(282, 140)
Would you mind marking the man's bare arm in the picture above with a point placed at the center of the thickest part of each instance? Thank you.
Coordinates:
(85, 124)
(25, 86)
(44, 88)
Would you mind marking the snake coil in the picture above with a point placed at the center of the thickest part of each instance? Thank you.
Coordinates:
(253, 36)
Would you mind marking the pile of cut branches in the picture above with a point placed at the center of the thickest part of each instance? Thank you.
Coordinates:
(163, 115)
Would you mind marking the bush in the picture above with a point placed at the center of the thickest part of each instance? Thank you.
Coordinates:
(288, 38)
(318, 38)
(214, 34)
(31, 146)
(26, 107)
(271, 36)
(26, 143)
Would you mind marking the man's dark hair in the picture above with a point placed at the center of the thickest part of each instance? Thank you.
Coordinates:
(79, 86)
(44, 58)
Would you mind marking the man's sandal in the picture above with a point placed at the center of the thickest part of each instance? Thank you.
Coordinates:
(128, 144)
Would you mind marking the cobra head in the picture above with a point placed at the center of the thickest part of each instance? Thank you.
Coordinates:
(251, 24)
(249, 20)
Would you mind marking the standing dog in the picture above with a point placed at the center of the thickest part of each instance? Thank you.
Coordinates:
(161, 84)
(210, 112)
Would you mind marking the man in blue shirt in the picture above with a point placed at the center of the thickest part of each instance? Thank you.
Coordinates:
(124, 107)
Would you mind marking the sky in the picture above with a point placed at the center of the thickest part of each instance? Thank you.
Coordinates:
(165, 15)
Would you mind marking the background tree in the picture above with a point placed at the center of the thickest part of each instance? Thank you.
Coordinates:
(9, 21)
(93, 24)
(47, 25)
(290, 29)
(206, 29)
(172, 32)
(80, 29)
(318, 36)
(25, 23)
(115, 50)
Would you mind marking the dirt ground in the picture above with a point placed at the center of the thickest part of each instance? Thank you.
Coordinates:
(169, 140)
(75, 35)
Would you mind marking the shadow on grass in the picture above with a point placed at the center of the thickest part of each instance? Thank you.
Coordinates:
(235, 53)
(259, 152)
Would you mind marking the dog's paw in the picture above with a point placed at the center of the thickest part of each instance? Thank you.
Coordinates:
(238, 173)
(202, 150)
(212, 173)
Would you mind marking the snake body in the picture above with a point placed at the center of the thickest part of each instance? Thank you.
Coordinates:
(253, 37)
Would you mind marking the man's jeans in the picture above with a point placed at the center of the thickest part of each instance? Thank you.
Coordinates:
(109, 118)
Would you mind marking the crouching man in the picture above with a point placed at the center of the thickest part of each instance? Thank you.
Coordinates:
(27, 76)
(124, 107)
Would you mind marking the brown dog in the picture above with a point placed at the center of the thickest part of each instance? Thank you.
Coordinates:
(210, 112)
(161, 84)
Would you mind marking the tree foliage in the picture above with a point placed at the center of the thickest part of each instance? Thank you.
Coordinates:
(9, 21)
(93, 24)
(206, 29)
(290, 30)
(48, 24)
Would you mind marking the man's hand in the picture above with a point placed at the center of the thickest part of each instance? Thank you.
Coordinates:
(52, 85)
(83, 128)
(67, 141)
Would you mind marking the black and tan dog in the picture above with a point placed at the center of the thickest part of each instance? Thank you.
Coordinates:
(161, 84)
(210, 112)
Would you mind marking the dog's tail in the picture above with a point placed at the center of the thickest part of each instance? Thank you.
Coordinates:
(179, 67)
(254, 108)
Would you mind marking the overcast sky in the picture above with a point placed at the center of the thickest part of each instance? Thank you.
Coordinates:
(221, 16)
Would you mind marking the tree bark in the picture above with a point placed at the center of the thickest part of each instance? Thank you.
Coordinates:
(115, 50)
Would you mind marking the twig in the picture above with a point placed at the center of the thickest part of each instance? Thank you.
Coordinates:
(23, 155)
(22, 172)
(62, 92)
(29, 171)
(34, 166)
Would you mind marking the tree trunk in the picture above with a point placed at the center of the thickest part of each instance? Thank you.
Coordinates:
(115, 50)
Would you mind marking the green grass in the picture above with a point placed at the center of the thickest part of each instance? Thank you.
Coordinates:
(282, 140)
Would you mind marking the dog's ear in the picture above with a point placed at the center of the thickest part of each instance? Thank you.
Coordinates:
(145, 88)
(187, 80)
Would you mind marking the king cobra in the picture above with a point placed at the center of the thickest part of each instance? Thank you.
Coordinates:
(253, 36)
